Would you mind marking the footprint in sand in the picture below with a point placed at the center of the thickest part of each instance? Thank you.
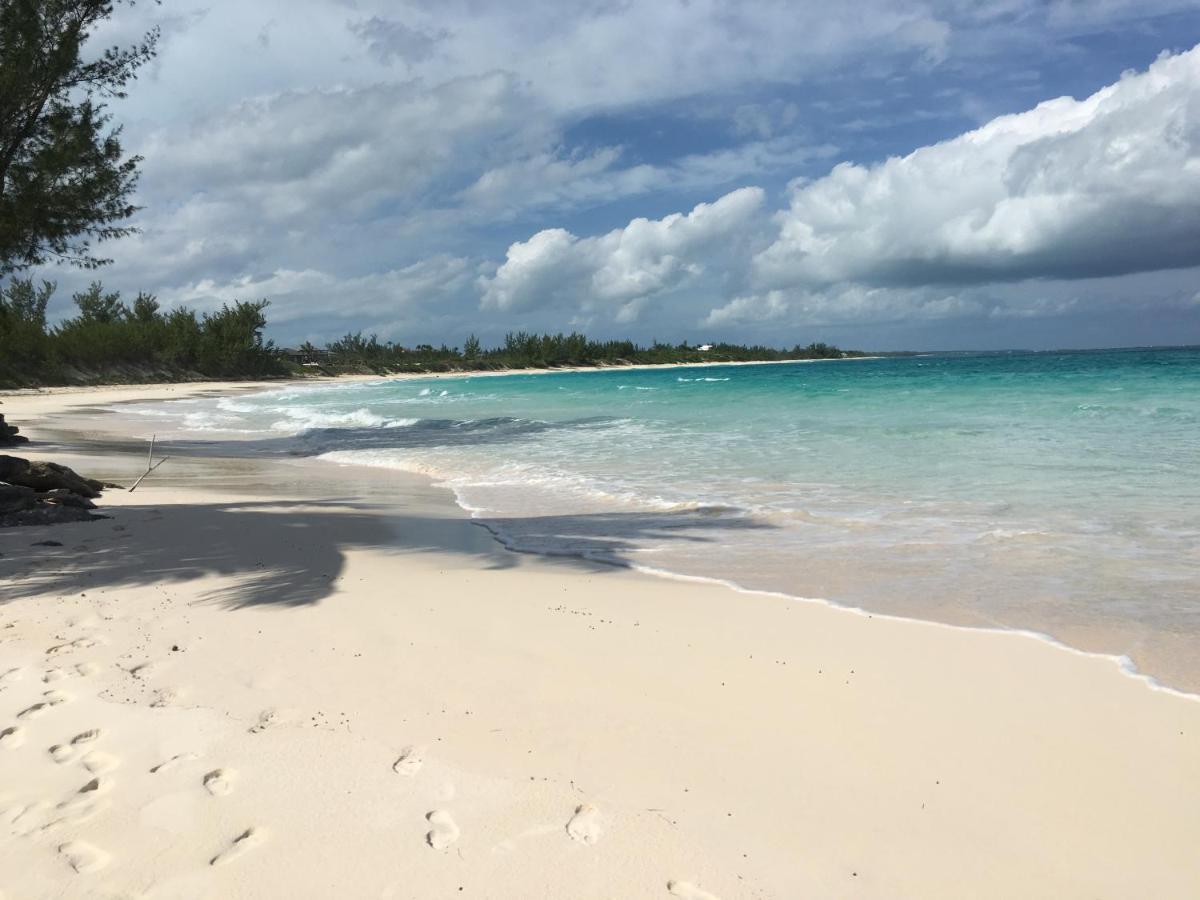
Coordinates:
(584, 826)
(14, 674)
(82, 643)
(443, 831)
(242, 844)
(175, 761)
(83, 857)
(12, 737)
(99, 763)
(58, 674)
(25, 820)
(409, 761)
(50, 699)
(75, 811)
(219, 782)
(165, 697)
(688, 891)
(34, 711)
(97, 786)
(62, 753)
(144, 671)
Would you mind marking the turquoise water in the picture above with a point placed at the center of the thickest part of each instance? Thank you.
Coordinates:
(1052, 492)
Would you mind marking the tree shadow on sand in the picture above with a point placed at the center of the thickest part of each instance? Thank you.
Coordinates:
(291, 553)
(424, 434)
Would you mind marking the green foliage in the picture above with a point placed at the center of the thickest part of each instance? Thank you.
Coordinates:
(99, 308)
(522, 350)
(354, 349)
(819, 351)
(109, 339)
(64, 183)
(107, 335)
(24, 345)
(231, 342)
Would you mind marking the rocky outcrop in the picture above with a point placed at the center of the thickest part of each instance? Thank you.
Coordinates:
(9, 436)
(63, 497)
(36, 509)
(15, 498)
(47, 476)
(44, 493)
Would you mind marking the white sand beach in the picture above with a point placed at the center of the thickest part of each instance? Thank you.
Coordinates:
(268, 678)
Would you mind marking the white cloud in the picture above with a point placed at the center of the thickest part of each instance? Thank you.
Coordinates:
(340, 149)
(750, 308)
(622, 269)
(298, 294)
(558, 180)
(389, 40)
(1073, 188)
(596, 54)
(299, 167)
(343, 179)
(853, 304)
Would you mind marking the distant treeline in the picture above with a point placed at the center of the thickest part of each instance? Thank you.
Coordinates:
(522, 350)
(110, 340)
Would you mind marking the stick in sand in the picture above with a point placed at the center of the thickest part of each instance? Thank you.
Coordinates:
(151, 465)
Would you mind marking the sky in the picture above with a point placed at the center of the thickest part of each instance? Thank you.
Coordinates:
(892, 175)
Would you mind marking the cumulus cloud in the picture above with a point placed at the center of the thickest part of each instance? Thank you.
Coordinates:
(342, 179)
(558, 180)
(750, 308)
(361, 144)
(623, 269)
(389, 40)
(1070, 191)
(1107, 185)
(855, 304)
(305, 301)
(341, 148)
(581, 54)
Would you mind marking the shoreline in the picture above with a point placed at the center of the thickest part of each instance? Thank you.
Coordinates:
(943, 762)
(226, 385)
(1121, 661)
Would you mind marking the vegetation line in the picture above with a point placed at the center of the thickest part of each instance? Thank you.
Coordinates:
(109, 341)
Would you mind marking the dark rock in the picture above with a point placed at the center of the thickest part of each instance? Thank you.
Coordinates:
(46, 476)
(9, 434)
(66, 498)
(47, 543)
(15, 498)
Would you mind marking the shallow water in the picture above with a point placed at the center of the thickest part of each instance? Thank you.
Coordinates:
(1052, 492)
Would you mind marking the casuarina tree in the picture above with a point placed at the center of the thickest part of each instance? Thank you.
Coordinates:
(65, 180)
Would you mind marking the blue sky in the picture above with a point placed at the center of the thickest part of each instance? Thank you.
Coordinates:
(881, 176)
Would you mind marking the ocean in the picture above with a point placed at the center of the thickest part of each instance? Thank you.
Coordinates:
(1050, 492)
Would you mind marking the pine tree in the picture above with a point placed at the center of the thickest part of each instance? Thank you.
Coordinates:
(65, 182)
